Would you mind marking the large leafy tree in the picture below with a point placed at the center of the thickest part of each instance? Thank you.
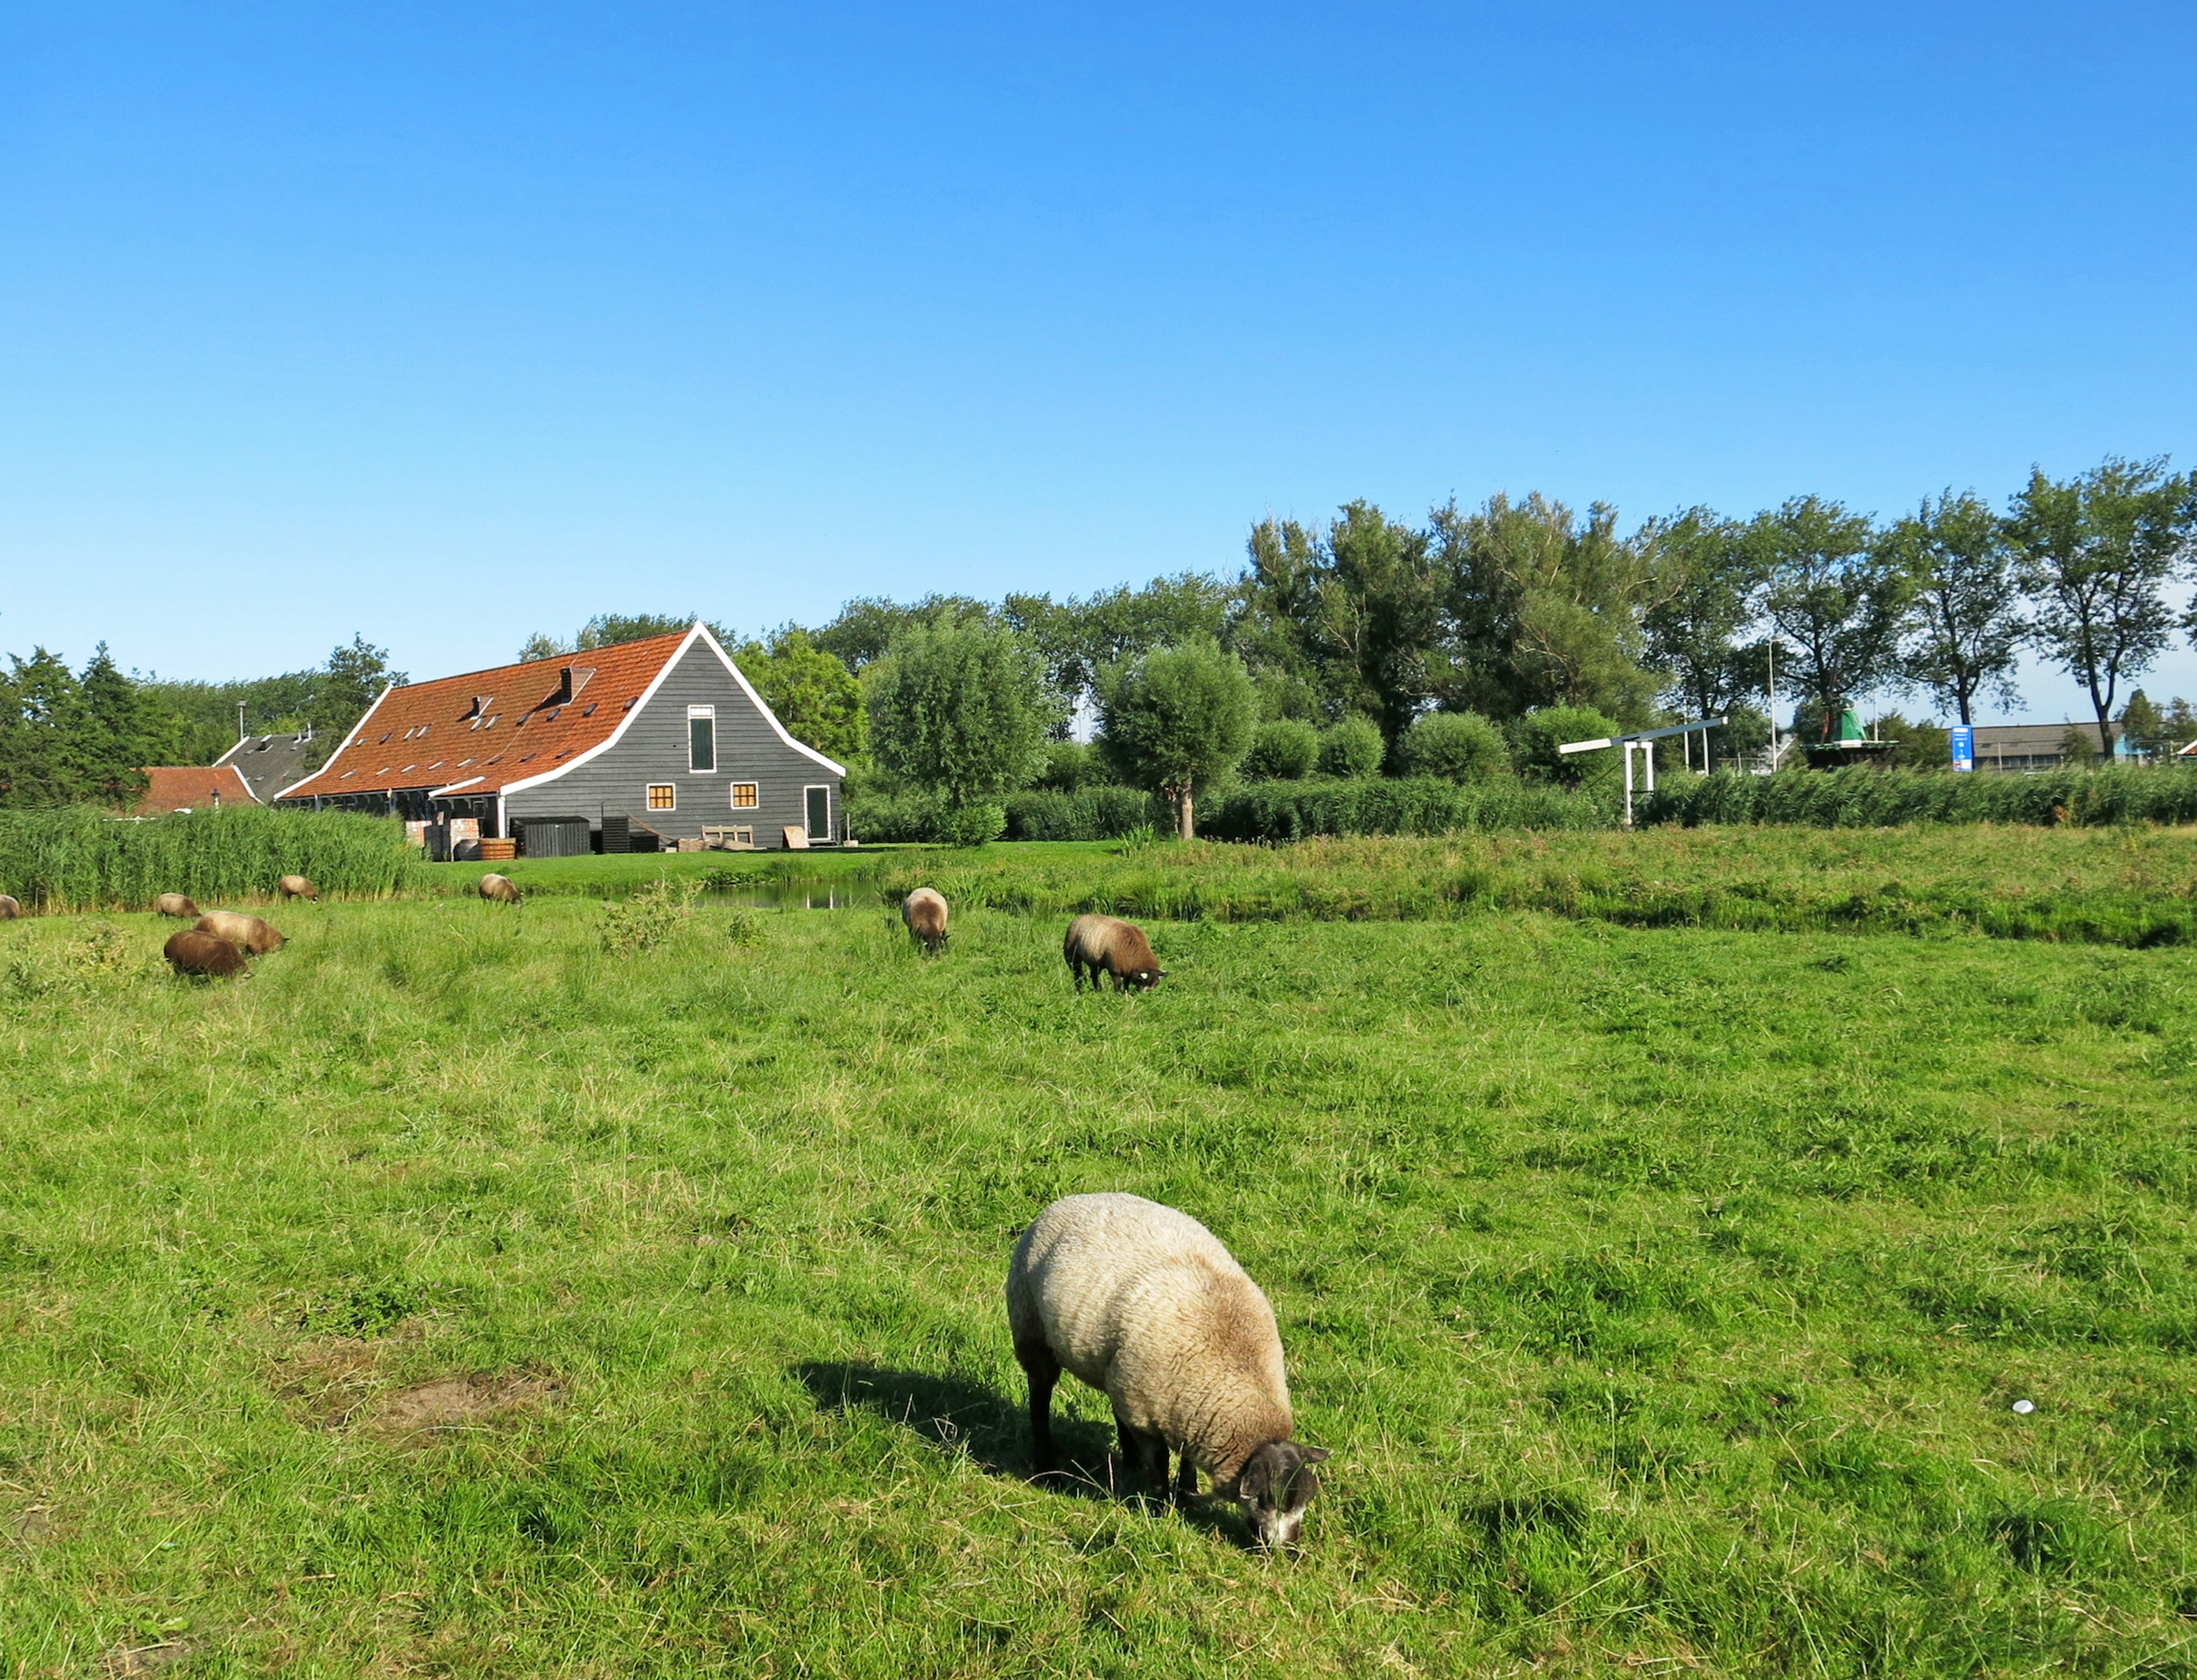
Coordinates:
(1967, 621)
(1176, 718)
(1080, 635)
(867, 626)
(815, 696)
(2094, 554)
(122, 731)
(1694, 625)
(1836, 599)
(1350, 617)
(1545, 608)
(966, 711)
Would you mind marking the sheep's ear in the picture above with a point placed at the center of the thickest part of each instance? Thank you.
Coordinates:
(1316, 1454)
(1256, 1477)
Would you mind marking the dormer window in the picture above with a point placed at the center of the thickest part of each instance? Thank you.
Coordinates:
(479, 705)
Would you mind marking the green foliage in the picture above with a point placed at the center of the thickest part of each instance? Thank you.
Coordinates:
(1351, 747)
(1967, 611)
(866, 627)
(1079, 637)
(1284, 750)
(972, 822)
(1922, 746)
(812, 693)
(646, 917)
(328, 701)
(1456, 746)
(1096, 811)
(1070, 765)
(1176, 720)
(1539, 733)
(1836, 596)
(1861, 799)
(2094, 554)
(963, 712)
(77, 858)
(1699, 613)
(610, 629)
(1274, 811)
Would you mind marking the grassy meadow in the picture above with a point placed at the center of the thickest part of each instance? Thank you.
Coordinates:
(461, 1295)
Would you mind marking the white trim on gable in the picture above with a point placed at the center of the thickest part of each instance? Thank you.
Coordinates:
(699, 633)
(342, 747)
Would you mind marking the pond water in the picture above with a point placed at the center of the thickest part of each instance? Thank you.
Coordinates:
(796, 896)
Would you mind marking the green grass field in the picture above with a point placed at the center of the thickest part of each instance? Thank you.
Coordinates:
(457, 1296)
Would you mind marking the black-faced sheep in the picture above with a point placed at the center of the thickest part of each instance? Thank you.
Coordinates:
(175, 904)
(248, 933)
(203, 954)
(1143, 1303)
(498, 889)
(925, 912)
(297, 886)
(1106, 944)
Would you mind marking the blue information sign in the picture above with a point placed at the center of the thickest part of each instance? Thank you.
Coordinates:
(1964, 747)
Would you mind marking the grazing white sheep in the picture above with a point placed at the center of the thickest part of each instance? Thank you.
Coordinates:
(498, 889)
(175, 904)
(297, 886)
(9, 910)
(1144, 1304)
(254, 936)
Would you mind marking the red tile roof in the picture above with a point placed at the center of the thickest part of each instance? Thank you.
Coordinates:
(486, 729)
(191, 787)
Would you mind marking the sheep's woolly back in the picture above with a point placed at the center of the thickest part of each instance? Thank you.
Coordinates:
(1143, 1303)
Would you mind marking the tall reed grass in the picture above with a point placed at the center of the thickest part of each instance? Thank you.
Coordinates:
(1884, 798)
(1420, 805)
(79, 858)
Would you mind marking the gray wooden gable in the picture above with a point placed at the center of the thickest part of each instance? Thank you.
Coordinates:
(653, 748)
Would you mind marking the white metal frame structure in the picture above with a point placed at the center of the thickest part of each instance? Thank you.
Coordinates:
(1643, 739)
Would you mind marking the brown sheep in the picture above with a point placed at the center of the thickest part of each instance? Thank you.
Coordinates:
(255, 937)
(925, 912)
(175, 904)
(297, 886)
(1142, 1303)
(1109, 945)
(498, 889)
(204, 954)
(9, 910)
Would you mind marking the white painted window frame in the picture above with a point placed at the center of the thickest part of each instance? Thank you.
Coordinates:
(693, 713)
(648, 803)
(824, 788)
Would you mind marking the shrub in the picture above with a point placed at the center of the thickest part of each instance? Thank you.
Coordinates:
(1860, 798)
(903, 817)
(650, 915)
(1406, 805)
(1101, 813)
(1070, 767)
(1539, 733)
(79, 858)
(974, 822)
(1351, 749)
(1456, 746)
(1285, 751)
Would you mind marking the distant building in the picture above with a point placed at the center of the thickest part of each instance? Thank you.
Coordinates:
(269, 763)
(2035, 746)
(661, 736)
(191, 787)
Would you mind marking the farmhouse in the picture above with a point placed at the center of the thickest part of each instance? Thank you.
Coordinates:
(663, 736)
(269, 763)
(190, 787)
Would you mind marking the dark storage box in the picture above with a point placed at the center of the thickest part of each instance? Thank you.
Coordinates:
(551, 837)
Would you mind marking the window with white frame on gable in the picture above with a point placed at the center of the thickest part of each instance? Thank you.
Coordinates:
(701, 738)
(663, 797)
(745, 797)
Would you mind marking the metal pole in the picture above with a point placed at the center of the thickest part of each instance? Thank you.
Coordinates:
(1774, 748)
(1627, 745)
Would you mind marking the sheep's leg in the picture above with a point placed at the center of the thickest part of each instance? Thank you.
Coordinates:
(1186, 1481)
(1147, 1480)
(1042, 1377)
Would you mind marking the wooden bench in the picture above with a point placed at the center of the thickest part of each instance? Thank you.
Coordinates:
(732, 837)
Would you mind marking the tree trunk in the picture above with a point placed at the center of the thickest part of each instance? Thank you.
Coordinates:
(1189, 826)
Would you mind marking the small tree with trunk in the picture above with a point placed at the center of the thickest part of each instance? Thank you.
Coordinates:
(1176, 719)
(966, 712)
(1968, 618)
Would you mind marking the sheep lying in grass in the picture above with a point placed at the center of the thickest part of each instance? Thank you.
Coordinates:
(205, 955)
(1106, 944)
(248, 933)
(925, 912)
(175, 904)
(1143, 1303)
(297, 886)
(498, 889)
(9, 910)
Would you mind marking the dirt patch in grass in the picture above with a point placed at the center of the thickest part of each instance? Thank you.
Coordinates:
(129, 1660)
(450, 1404)
(30, 1526)
(328, 1383)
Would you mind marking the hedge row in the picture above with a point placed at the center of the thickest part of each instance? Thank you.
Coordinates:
(1039, 814)
(1860, 798)
(1296, 810)
(81, 858)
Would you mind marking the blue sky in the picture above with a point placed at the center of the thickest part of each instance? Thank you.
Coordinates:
(447, 324)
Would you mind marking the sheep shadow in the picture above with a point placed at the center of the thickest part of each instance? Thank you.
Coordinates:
(990, 1429)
